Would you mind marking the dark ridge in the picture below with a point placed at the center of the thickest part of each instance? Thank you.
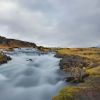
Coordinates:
(13, 43)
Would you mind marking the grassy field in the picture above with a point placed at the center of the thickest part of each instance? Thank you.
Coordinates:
(90, 89)
(91, 53)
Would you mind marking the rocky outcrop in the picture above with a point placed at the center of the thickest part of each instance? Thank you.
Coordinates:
(69, 61)
(4, 58)
(76, 66)
(12, 43)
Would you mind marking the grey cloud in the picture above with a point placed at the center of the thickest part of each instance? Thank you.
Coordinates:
(81, 24)
(37, 5)
(63, 23)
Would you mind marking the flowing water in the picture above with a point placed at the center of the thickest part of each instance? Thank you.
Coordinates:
(30, 75)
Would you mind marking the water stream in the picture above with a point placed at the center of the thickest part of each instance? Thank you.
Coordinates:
(30, 75)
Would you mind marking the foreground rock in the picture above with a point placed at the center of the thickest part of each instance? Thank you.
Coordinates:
(4, 58)
(69, 61)
(76, 67)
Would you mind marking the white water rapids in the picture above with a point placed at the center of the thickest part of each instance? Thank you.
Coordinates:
(30, 76)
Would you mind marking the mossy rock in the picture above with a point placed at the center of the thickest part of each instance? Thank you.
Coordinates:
(4, 58)
(73, 80)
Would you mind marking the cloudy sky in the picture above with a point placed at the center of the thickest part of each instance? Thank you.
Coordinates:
(60, 23)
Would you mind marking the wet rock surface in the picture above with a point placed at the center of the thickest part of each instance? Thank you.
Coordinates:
(4, 58)
(68, 61)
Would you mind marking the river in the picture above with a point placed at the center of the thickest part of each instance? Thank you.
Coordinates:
(30, 75)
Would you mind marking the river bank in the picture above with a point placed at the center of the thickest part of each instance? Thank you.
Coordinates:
(89, 90)
(89, 58)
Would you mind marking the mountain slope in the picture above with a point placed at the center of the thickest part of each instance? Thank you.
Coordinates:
(13, 43)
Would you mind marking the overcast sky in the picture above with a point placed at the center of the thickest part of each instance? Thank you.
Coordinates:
(59, 23)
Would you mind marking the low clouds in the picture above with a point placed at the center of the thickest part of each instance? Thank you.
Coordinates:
(62, 23)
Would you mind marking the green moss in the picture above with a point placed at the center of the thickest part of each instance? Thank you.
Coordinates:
(67, 93)
(94, 71)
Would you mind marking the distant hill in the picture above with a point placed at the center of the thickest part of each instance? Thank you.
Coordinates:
(13, 43)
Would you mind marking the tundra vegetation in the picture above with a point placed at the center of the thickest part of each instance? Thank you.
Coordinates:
(90, 89)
